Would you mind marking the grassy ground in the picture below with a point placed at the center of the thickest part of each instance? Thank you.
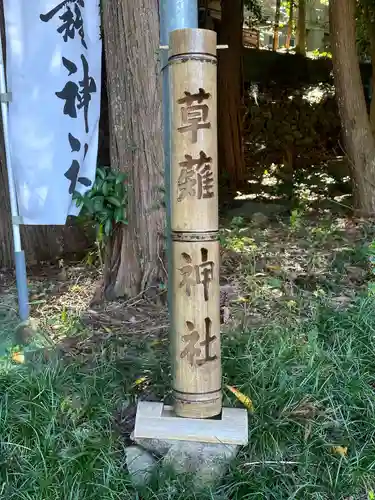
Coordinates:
(300, 343)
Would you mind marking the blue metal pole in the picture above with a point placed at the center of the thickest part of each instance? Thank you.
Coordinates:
(19, 254)
(174, 14)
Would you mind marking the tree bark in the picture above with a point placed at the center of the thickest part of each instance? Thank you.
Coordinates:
(230, 97)
(290, 25)
(134, 259)
(275, 43)
(371, 35)
(372, 104)
(358, 138)
(39, 242)
(301, 28)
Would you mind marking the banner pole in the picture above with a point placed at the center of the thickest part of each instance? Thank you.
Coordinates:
(19, 254)
(174, 14)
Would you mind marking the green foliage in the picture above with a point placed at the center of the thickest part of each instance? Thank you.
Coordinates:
(363, 41)
(236, 239)
(286, 6)
(327, 55)
(104, 206)
(296, 220)
(255, 10)
(106, 203)
(365, 20)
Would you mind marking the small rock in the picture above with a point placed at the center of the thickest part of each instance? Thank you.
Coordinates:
(341, 302)
(208, 462)
(140, 465)
(24, 335)
(260, 219)
(229, 291)
(29, 332)
(98, 296)
(247, 209)
(158, 447)
(226, 292)
(63, 275)
(356, 273)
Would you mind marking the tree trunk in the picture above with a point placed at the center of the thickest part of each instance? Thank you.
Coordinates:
(371, 35)
(230, 97)
(134, 259)
(358, 139)
(275, 44)
(39, 242)
(290, 24)
(372, 104)
(301, 28)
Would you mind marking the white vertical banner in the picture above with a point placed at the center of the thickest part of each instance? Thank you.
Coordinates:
(53, 64)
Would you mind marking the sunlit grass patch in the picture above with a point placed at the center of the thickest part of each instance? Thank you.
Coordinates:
(311, 432)
(312, 385)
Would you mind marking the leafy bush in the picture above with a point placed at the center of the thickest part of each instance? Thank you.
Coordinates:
(104, 206)
(106, 203)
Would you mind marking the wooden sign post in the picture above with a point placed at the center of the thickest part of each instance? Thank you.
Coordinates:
(194, 224)
(195, 307)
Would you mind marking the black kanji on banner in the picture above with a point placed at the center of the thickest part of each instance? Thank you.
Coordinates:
(77, 96)
(72, 21)
(72, 173)
(77, 91)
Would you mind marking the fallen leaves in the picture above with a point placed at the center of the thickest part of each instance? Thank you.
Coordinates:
(18, 357)
(305, 409)
(245, 400)
(340, 450)
(140, 381)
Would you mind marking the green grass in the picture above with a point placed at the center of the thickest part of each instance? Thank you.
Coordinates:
(56, 436)
(313, 389)
(312, 383)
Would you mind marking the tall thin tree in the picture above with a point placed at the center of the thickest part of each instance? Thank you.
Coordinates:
(276, 27)
(359, 141)
(301, 28)
(369, 18)
(290, 24)
(134, 260)
(230, 96)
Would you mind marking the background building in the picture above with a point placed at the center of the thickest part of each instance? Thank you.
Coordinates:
(317, 23)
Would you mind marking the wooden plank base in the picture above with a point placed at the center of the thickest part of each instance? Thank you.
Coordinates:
(156, 421)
